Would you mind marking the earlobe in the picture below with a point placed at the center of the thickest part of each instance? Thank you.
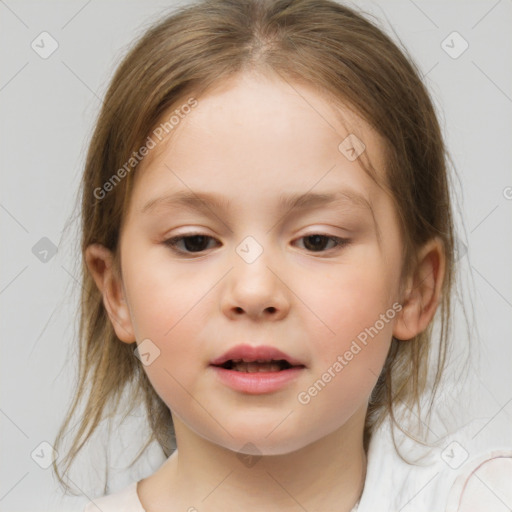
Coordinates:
(423, 292)
(100, 262)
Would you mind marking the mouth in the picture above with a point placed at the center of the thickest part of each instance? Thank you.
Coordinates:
(258, 366)
(255, 359)
(257, 370)
(257, 377)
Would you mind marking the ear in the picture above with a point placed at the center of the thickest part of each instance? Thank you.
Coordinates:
(423, 291)
(100, 260)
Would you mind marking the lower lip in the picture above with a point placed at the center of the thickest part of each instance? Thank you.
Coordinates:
(259, 382)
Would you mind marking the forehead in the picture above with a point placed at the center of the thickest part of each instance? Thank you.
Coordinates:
(261, 134)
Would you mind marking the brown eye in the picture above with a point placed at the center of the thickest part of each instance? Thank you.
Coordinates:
(318, 242)
(191, 243)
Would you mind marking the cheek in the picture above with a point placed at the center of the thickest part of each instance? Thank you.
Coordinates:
(162, 296)
(347, 363)
(167, 306)
(349, 302)
(353, 338)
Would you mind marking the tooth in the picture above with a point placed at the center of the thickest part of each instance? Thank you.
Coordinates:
(270, 368)
(256, 367)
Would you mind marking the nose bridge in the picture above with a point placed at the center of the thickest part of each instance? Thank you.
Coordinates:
(254, 286)
(253, 262)
(250, 249)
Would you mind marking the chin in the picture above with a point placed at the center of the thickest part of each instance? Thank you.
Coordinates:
(260, 444)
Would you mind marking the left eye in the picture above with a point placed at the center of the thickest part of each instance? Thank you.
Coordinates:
(316, 242)
(198, 243)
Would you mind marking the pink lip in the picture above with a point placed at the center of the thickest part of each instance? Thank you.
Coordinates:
(253, 353)
(259, 382)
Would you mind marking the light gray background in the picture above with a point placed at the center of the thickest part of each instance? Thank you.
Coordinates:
(48, 107)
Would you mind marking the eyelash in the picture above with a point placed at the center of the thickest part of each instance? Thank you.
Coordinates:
(173, 242)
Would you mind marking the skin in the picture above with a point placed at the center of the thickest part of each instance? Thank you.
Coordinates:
(250, 140)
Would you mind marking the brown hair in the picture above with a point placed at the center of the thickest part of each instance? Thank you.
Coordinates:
(319, 42)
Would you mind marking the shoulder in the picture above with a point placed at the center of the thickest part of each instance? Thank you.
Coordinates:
(485, 484)
(125, 500)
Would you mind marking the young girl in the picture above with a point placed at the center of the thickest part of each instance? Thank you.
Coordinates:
(267, 236)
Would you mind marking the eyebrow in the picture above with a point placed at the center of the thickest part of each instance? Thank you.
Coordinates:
(205, 202)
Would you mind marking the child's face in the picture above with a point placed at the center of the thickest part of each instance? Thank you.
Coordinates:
(250, 144)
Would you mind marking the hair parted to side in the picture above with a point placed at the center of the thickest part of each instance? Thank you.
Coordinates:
(319, 42)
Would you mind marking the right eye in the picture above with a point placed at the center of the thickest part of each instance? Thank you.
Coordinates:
(193, 243)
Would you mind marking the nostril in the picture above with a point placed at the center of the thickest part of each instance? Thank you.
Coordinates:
(271, 309)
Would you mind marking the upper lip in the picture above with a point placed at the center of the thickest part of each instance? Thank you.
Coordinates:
(251, 353)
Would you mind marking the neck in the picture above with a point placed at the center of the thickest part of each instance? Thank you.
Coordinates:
(327, 474)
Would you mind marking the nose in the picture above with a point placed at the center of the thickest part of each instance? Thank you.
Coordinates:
(257, 291)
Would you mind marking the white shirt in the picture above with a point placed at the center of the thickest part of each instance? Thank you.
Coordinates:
(468, 471)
